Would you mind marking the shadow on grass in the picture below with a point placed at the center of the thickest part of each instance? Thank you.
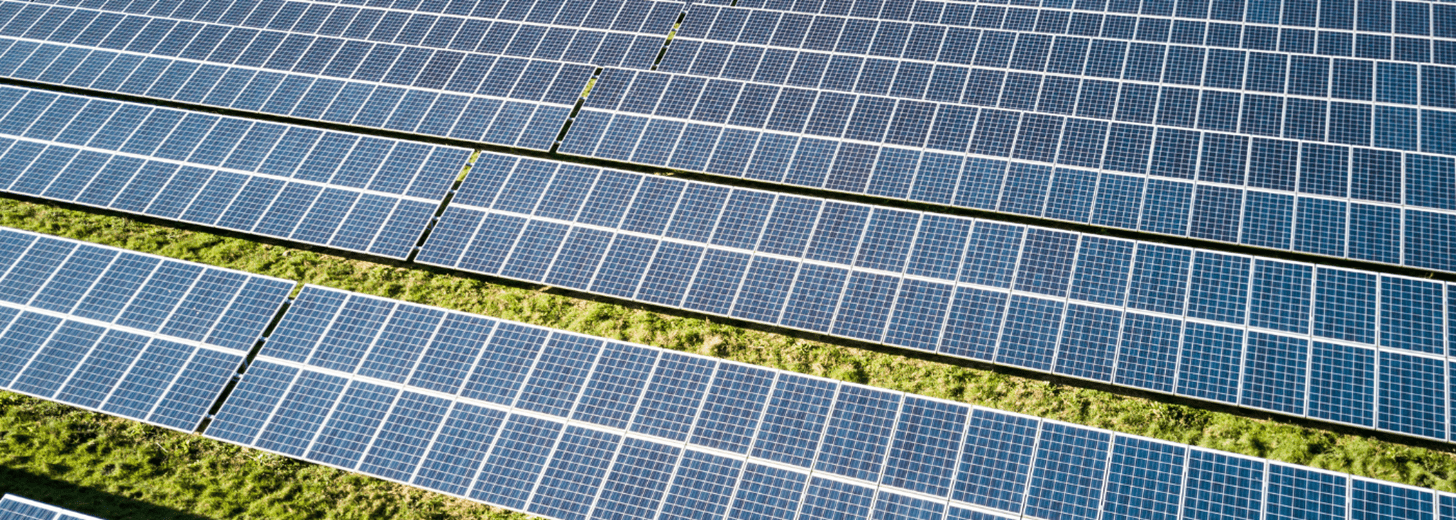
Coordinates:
(84, 500)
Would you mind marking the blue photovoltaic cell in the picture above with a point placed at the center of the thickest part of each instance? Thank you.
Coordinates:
(516, 461)
(1222, 486)
(367, 194)
(1000, 447)
(576, 470)
(1144, 480)
(74, 338)
(922, 455)
(1301, 493)
(1411, 394)
(638, 480)
(731, 409)
(793, 420)
(703, 486)
(1066, 480)
(858, 433)
(989, 306)
(1370, 500)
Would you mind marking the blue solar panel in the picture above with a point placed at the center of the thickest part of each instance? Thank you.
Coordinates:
(1302, 493)
(572, 479)
(1371, 500)
(1211, 358)
(332, 189)
(1144, 480)
(638, 480)
(673, 396)
(702, 487)
(1223, 486)
(458, 449)
(731, 409)
(1411, 399)
(125, 333)
(611, 396)
(858, 433)
(13, 507)
(793, 421)
(1066, 480)
(922, 456)
(353, 425)
(1273, 369)
(1033, 298)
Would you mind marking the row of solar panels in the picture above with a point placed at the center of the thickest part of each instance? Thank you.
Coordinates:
(1332, 225)
(1324, 199)
(14, 507)
(455, 24)
(1135, 314)
(1275, 335)
(1337, 16)
(279, 34)
(424, 71)
(505, 100)
(920, 39)
(337, 189)
(937, 70)
(568, 426)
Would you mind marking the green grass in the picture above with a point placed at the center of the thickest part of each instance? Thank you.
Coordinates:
(120, 469)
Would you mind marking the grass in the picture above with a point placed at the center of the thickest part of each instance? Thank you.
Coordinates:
(121, 469)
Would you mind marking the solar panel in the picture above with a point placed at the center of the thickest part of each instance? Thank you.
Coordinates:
(1206, 121)
(647, 433)
(408, 68)
(1287, 337)
(128, 334)
(14, 507)
(333, 189)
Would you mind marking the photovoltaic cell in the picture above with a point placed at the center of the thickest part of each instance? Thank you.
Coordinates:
(138, 336)
(1226, 328)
